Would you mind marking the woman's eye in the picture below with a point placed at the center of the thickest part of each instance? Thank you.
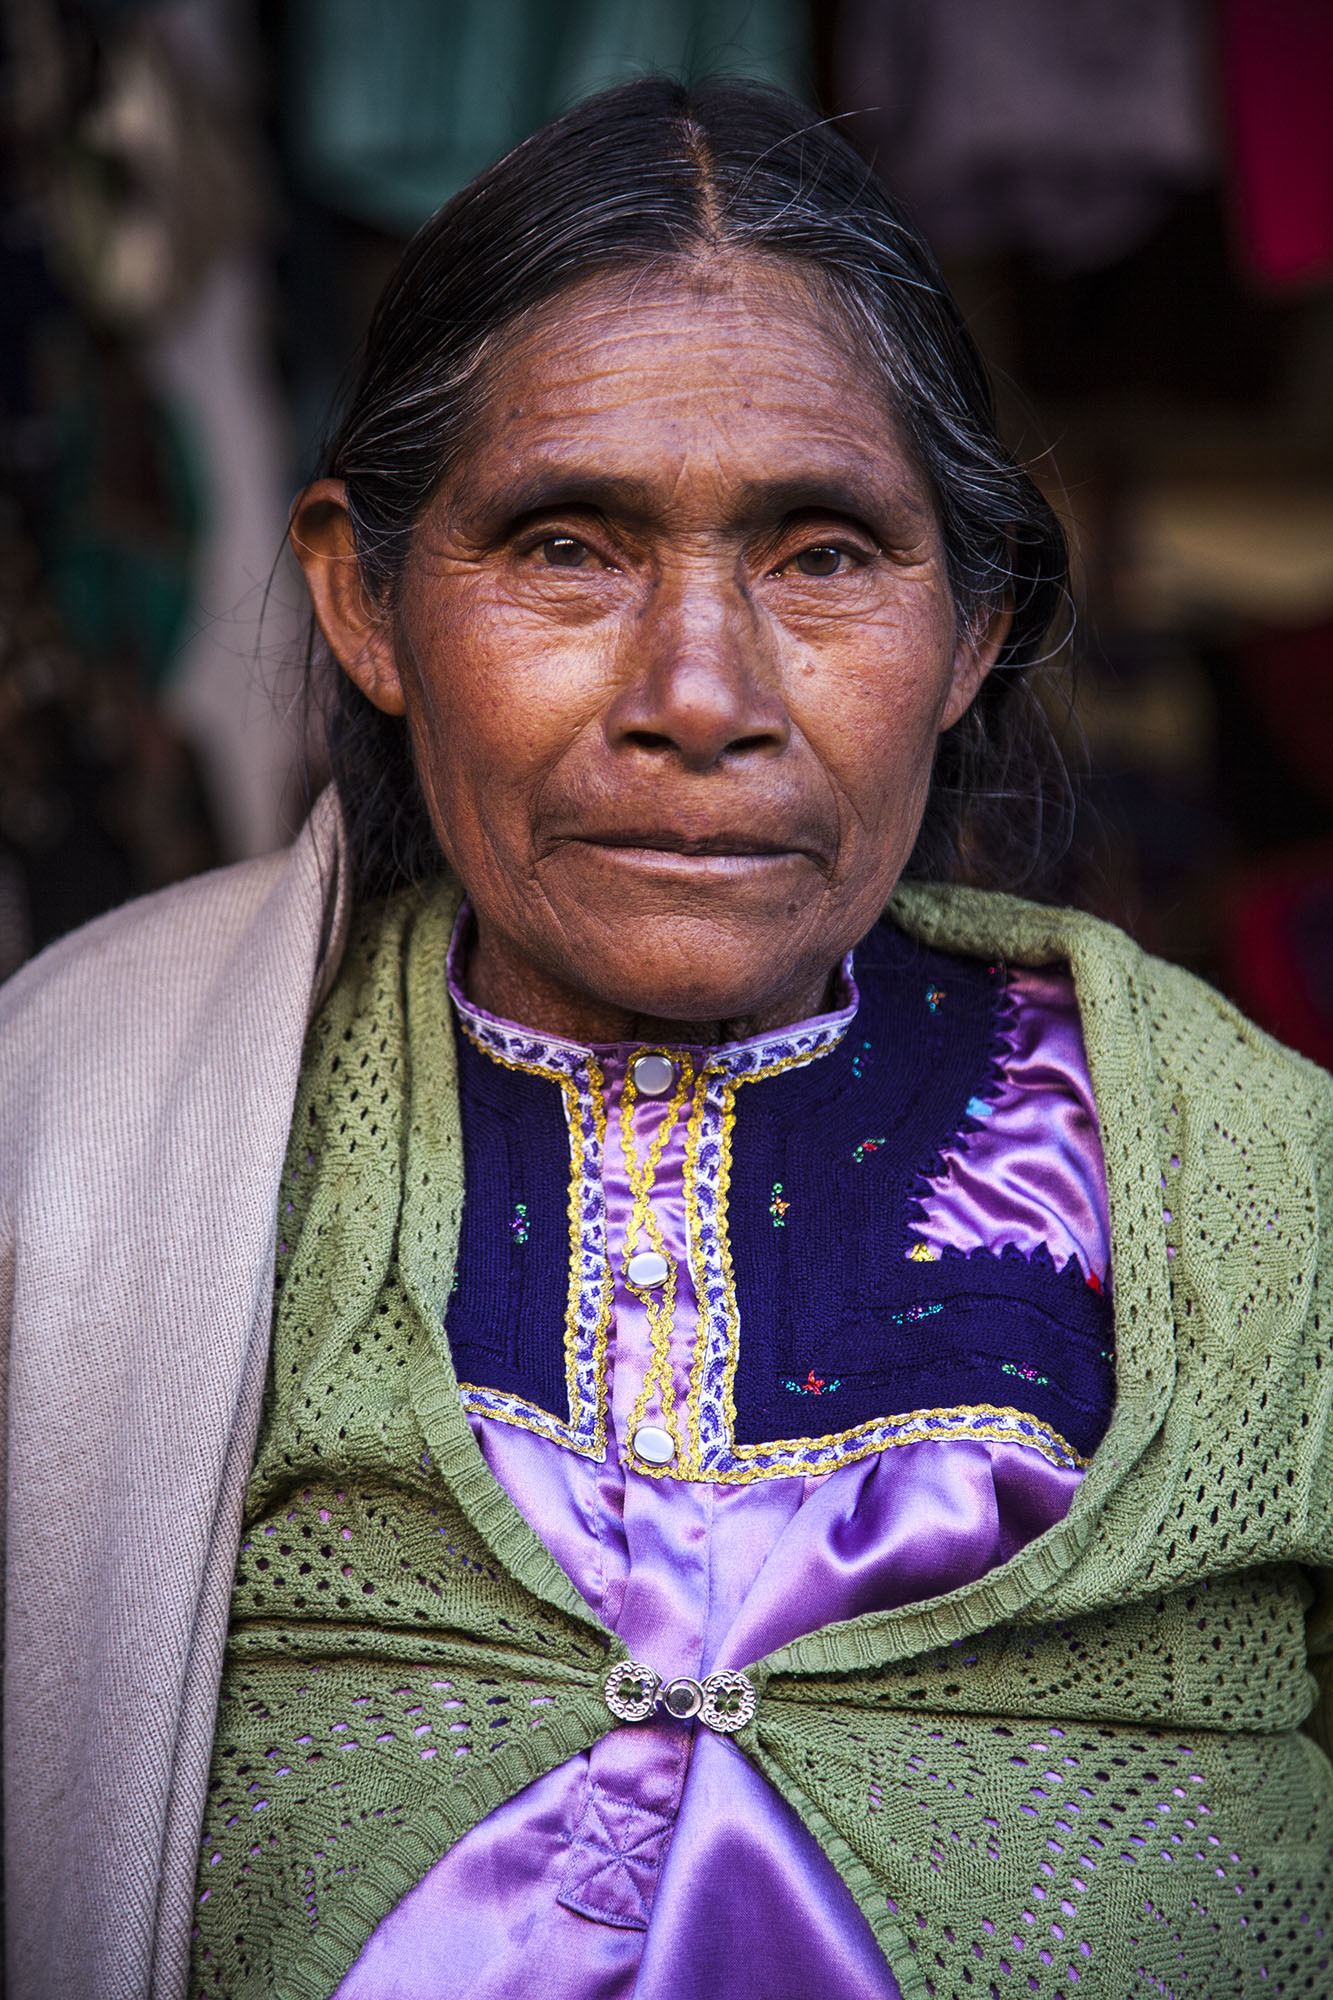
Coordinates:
(821, 560)
(563, 552)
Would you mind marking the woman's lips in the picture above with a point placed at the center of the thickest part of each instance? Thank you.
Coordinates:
(706, 861)
(752, 840)
(710, 857)
(687, 843)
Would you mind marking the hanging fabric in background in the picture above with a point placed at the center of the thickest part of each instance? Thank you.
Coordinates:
(235, 683)
(1065, 130)
(389, 124)
(99, 800)
(1279, 935)
(234, 689)
(100, 515)
(1277, 75)
(159, 223)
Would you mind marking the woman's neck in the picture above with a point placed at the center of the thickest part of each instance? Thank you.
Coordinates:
(506, 983)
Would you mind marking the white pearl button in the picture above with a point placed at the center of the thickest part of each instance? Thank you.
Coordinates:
(653, 1075)
(652, 1445)
(647, 1269)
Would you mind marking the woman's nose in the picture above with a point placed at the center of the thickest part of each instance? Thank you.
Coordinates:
(702, 678)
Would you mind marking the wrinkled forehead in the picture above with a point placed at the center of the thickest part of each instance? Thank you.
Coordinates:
(734, 372)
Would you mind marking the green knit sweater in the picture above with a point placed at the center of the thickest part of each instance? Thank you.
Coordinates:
(1084, 1775)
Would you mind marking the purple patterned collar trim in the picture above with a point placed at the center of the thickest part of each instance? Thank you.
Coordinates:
(802, 1042)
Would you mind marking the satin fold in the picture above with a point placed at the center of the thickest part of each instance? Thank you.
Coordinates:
(1029, 1175)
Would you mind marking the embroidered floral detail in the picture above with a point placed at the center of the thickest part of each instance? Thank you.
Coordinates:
(813, 1385)
(518, 1227)
(923, 1253)
(911, 1314)
(1027, 1374)
(977, 1107)
(868, 1146)
(778, 1207)
(1095, 1283)
(861, 1061)
(934, 995)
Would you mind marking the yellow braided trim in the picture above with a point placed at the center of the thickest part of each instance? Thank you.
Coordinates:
(689, 1463)
(659, 1306)
(539, 1419)
(785, 1062)
(803, 1458)
(498, 1406)
(936, 1425)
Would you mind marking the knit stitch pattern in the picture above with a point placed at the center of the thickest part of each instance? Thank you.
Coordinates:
(1084, 1775)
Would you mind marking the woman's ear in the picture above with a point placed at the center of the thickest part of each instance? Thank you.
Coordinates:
(359, 635)
(977, 651)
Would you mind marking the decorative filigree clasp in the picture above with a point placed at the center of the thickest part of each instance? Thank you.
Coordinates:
(631, 1691)
(729, 1702)
(724, 1702)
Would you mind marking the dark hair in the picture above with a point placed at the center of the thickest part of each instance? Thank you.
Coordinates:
(649, 172)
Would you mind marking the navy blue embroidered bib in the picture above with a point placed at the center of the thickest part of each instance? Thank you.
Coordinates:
(854, 1280)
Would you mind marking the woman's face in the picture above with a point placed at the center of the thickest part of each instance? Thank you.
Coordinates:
(675, 645)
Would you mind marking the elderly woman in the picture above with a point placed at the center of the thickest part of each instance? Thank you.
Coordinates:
(602, 1399)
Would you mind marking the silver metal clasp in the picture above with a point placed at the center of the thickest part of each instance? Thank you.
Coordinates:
(724, 1702)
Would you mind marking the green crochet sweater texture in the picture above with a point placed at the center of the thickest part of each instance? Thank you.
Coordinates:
(1091, 1773)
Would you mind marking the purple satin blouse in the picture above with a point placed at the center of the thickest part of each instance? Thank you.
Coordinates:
(659, 1864)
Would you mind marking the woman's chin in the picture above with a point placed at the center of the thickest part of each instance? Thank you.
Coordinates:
(693, 973)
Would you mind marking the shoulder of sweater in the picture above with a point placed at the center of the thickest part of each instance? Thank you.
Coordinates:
(1113, 971)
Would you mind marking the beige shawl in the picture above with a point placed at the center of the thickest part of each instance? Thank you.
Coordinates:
(166, 1037)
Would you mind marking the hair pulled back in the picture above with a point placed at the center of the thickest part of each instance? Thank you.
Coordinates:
(647, 173)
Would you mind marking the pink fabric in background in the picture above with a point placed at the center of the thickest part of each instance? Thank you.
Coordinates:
(1277, 76)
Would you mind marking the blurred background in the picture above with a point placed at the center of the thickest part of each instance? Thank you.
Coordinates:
(1133, 200)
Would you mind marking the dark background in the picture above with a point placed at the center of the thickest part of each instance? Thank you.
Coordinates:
(1133, 200)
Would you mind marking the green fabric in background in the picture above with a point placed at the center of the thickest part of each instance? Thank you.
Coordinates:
(393, 112)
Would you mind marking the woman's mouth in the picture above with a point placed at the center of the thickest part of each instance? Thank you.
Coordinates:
(700, 857)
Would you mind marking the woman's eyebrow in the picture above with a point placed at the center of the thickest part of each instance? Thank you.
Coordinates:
(873, 501)
(877, 499)
(501, 503)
